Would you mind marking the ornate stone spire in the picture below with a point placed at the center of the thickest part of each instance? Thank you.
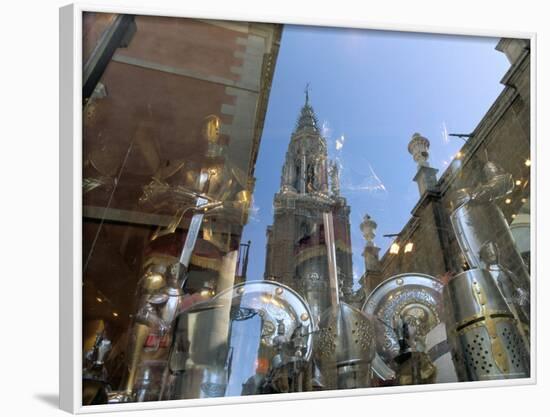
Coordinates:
(307, 119)
(306, 165)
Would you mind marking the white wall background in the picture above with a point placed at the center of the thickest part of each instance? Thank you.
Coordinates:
(29, 200)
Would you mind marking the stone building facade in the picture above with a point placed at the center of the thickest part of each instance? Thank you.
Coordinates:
(173, 87)
(426, 244)
(296, 252)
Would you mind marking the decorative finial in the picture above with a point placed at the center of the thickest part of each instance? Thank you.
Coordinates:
(307, 93)
(419, 148)
(368, 228)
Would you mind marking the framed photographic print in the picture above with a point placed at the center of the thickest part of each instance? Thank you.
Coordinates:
(260, 210)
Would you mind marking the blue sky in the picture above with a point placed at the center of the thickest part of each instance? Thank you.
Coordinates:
(371, 90)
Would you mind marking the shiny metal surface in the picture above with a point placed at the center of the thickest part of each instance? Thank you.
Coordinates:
(416, 295)
(345, 347)
(249, 339)
(382, 370)
(464, 304)
(516, 296)
(192, 234)
(328, 223)
(484, 336)
(476, 223)
(348, 332)
(521, 232)
(160, 300)
(149, 379)
(487, 243)
(314, 287)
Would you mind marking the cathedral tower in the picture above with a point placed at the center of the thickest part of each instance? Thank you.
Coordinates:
(296, 252)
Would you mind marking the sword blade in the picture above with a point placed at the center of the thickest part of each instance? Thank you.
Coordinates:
(331, 255)
(192, 234)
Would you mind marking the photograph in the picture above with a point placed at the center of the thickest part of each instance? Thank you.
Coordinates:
(274, 208)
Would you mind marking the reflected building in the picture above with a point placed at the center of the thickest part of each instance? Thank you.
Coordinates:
(296, 252)
(171, 131)
(427, 243)
(173, 108)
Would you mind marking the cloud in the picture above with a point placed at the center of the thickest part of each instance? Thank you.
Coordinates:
(340, 142)
(254, 212)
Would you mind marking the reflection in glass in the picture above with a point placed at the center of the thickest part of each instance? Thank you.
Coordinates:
(194, 288)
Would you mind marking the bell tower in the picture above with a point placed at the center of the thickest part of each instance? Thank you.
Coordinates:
(296, 253)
